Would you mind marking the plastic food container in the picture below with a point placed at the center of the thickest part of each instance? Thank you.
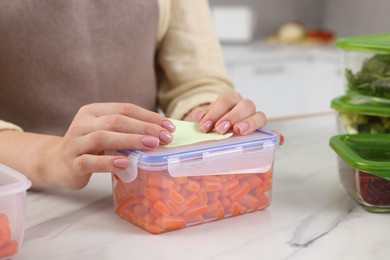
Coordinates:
(366, 63)
(13, 186)
(357, 114)
(177, 187)
(364, 168)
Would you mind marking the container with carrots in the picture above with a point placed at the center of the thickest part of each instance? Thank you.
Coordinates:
(173, 188)
(13, 186)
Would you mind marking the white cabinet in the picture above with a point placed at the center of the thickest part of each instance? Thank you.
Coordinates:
(287, 83)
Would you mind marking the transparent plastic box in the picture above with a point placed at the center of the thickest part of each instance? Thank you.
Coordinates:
(13, 187)
(364, 168)
(366, 64)
(358, 114)
(178, 187)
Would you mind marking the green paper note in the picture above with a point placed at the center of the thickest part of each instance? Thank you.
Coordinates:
(189, 133)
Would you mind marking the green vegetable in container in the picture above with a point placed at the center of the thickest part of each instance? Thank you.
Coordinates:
(365, 124)
(373, 79)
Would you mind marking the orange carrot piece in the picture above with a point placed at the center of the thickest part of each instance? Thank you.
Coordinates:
(202, 195)
(152, 193)
(195, 211)
(214, 210)
(235, 209)
(171, 223)
(264, 201)
(249, 201)
(229, 186)
(180, 180)
(191, 200)
(5, 229)
(10, 249)
(160, 182)
(267, 185)
(127, 203)
(244, 189)
(213, 196)
(161, 208)
(175, 196)
(253, 180)
(175, 208)
(152, 228)
(192, 186)
(211, 185)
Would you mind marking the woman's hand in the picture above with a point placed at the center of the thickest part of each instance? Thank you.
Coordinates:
(229, 112)
(100, 127)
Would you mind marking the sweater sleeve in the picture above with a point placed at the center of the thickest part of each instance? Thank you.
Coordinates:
(190, 65)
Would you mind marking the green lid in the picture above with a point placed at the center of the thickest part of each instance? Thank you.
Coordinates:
(370, 43)
(362, 105)
(368, 153)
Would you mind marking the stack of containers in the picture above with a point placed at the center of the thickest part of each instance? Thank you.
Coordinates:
(363, 120)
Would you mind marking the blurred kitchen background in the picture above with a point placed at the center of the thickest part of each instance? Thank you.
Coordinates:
(270, 60)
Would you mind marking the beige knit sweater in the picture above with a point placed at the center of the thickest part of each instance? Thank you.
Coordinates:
(190, 64)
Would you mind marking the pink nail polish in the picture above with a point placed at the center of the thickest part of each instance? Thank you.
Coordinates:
(168, 125)
(206, 127)
(121, 163)
(150, 141)
(166, 136)
(241, 127)
(223, 127)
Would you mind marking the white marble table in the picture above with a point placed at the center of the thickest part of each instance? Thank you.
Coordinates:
(310, 216)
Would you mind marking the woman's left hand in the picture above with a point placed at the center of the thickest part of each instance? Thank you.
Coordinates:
(229, 112)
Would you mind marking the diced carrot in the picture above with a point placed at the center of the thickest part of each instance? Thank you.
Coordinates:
(249, 201)
(152, 228)
(202, 195)
(171, 223)
(267, 175)
(253, 180)
(161, 208)
(258, 192)
(194, 220)
(5, 229)
(139, 210)
(160, 182)
(211, 185)
(235, 209)
(126, 203)
(9, 249)
(175, 209)
(152, 193)
(175, 196)
(214, 210)
(230, 186)
(191, 200)
(180, 180)
(213, 196)
(244, 189)
(267, 185)
(191, 185)
(264, 201)
(195, 211)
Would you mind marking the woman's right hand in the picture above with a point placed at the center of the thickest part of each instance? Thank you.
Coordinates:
(69, 161)
(99, 127)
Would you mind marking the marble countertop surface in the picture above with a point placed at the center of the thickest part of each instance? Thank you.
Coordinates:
(310, 216)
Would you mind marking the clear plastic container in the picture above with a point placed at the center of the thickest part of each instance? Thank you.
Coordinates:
(364, 168)
(173, 188)
(357, 114)
(366, 63)
(13, 187)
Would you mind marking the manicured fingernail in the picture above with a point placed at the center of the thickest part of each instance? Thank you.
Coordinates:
(206, 126)
(150, 141)
(241, 127)
(223, 127)
(200, 115)
(121, 163)
(168, 125)
(166, 136)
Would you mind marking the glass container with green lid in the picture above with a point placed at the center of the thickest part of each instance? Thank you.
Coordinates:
(364, 168)
(358, 114)
(366, 65)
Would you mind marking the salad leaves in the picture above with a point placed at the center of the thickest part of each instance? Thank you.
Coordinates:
(373, 79)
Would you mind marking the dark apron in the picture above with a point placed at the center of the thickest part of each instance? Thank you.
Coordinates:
(58, 55)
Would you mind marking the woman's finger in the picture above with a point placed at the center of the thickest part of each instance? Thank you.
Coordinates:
(89, 163)
(120, 124)
(250, 124)
(127, 110)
